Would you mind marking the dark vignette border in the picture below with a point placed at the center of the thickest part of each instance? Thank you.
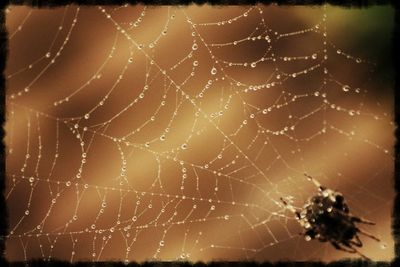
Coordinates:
(343, 3)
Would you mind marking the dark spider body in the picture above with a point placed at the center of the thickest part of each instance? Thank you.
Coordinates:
(327, 218)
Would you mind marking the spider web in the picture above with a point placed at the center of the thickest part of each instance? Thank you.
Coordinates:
(137, 133)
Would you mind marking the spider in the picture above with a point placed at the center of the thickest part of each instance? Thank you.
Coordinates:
(327, 218)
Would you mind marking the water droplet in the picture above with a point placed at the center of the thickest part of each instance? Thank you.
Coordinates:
(194, 46)
(314, 56)
(253, 65)
(27, 212)
(358, 60)
(31, 179)
(48, 54)
(383, 246)
(213, 71)
(87, 116)
(346, 88)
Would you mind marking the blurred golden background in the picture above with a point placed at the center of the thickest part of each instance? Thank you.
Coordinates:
(170, 133)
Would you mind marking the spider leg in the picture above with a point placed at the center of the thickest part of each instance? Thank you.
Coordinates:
(352, 250)
(361, 220)
(363, 232)
(357, 243)
(317, 184)
(339, 247)
(291, 208)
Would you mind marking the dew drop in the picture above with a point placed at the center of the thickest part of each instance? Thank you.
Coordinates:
(213, 71)
(346, 88)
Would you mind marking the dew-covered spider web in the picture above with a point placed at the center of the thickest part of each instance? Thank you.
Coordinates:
(171, 133)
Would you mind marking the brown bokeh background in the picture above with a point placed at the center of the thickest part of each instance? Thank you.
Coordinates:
(181, 161)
